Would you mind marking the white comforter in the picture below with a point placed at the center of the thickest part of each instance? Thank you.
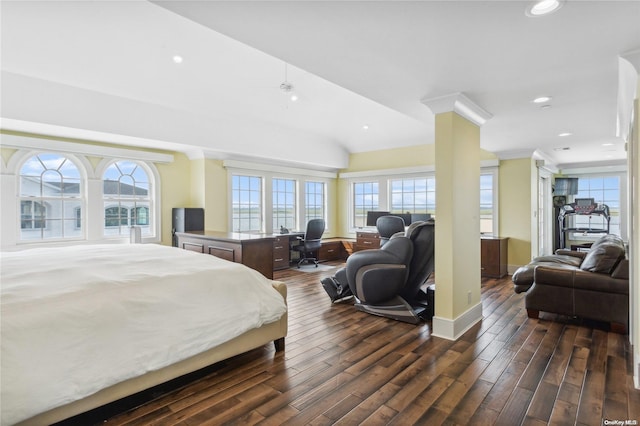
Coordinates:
(78, 319)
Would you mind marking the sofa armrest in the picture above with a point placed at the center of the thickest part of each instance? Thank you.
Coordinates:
(565, 252)
(552, 276)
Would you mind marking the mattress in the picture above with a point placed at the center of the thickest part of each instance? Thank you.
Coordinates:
(77, 319)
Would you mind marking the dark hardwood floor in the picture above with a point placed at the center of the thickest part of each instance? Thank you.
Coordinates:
(341, 366)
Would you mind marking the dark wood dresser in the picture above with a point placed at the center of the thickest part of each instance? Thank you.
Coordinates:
(254, 250)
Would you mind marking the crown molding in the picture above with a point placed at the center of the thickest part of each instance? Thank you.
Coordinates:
(460, 104)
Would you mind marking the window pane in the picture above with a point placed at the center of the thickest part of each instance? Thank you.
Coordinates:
(604, 190)
(283, 205)
(246, 194)
(411, 195)
(127, 199)
(486, 203)
(315, 201)
(50, 197)
(365, 199)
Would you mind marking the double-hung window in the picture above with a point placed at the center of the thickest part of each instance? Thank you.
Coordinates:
(315, 201)
(604, 189)
(413, 195)
(284, 203)
(50, 196)
(487, 203)
(365, 198)
(246, 203)
(126, 198)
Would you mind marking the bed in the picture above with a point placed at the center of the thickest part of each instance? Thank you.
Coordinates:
(86, 325)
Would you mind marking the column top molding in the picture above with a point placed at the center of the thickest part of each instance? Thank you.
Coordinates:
(460, 104)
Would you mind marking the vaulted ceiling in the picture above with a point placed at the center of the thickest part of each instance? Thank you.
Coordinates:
(104, 70)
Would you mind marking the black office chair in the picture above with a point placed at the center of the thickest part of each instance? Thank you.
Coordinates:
(387, 226)
(311, 242)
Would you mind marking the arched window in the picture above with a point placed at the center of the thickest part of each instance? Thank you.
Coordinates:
(51, 198)
(127, 196)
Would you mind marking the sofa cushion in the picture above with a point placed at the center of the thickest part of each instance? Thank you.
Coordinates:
(604, 255)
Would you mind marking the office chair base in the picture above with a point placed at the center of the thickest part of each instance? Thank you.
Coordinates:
(308, 260)
(396, 308)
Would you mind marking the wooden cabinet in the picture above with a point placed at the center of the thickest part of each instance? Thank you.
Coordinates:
(281, 254)
(493, 257)
(367, 240)
(254, 251)
(330, 250)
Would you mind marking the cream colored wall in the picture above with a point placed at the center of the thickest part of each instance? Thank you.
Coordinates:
(217, 200)
(175, 190)
(516, 208)
(417, 155)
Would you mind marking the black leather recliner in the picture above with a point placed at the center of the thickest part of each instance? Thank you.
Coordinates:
(389, 281)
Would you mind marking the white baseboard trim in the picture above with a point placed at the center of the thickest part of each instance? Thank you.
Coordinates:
(636, 369)
(452, 329)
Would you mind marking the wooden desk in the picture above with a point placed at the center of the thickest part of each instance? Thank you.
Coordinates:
(253, 250)
(263, 252)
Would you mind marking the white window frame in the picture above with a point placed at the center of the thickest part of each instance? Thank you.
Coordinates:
(494, 171)
(622, 175)
(295, 221)
(19, 159)
(116, 201)
(324, 200)
(264, 183)
(384, 178)
(93, 217)
(268, 172)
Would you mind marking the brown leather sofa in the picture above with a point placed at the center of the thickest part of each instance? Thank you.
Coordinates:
(592, 285)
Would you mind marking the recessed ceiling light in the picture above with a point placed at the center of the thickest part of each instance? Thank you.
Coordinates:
(607, 144)
(293, 97)
(365, 127)
(543, 7)
(542, 99)
(562, 135)
(177, 59)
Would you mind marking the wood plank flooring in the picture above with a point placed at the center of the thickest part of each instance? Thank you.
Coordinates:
(345, 367)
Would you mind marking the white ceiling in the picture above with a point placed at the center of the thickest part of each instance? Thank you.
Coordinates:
(70, 67)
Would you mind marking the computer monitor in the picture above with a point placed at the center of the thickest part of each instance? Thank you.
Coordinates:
(405, 216)
(420, 217)
(373, 215)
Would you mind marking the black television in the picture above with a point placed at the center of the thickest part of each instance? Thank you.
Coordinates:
(565, 186)
(373, 215)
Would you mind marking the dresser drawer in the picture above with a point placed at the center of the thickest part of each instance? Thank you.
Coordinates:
(367, 240)
(330, 251)
(280, 253)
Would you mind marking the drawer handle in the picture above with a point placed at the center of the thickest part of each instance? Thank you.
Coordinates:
(368, 242)
(278, 260)
(278, 247)
(330, 251)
